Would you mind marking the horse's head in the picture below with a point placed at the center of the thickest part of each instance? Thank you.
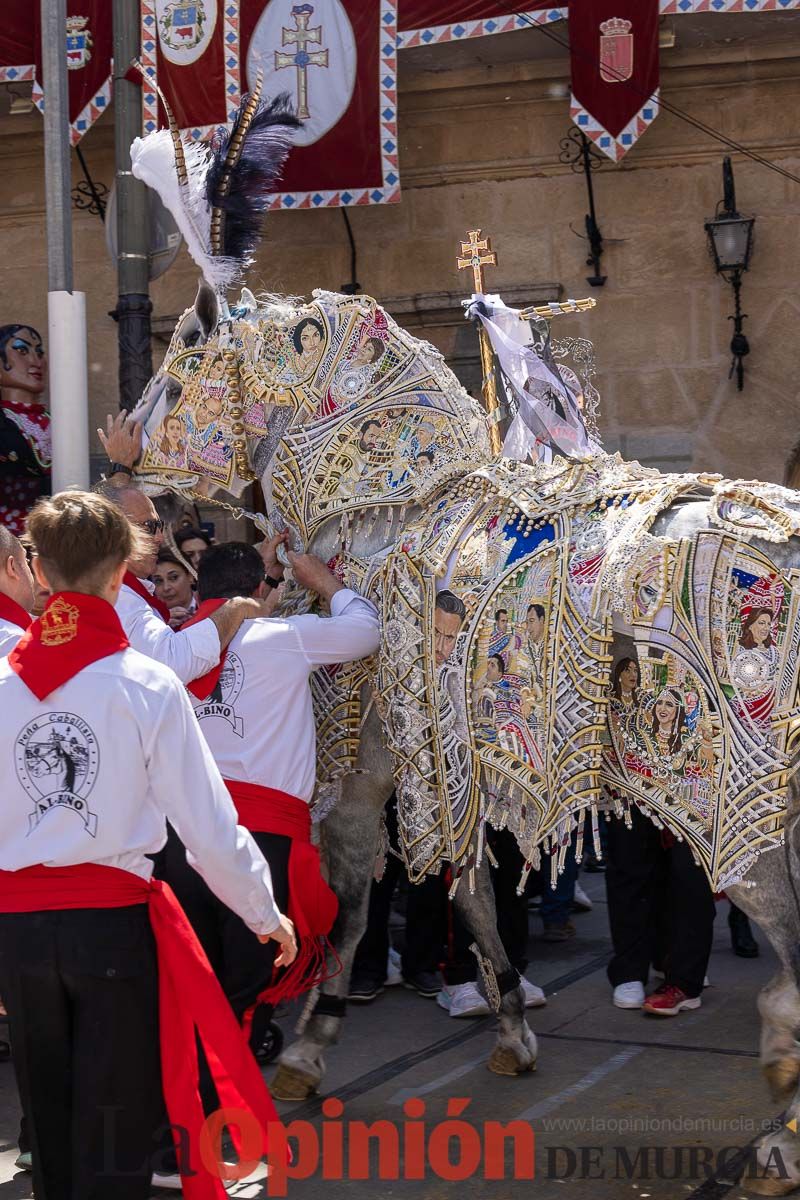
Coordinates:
(331, 404)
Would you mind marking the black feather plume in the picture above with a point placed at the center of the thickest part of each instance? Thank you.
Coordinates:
(240, 189)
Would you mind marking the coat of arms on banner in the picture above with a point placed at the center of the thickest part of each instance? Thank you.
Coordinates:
(182, 26)
(79, 43)
(616, 50)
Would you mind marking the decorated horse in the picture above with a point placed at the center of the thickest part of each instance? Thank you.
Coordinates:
(624, 637)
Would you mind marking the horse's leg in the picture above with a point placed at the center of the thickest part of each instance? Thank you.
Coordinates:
(349, 837)
(773, 904)
(515, 1050)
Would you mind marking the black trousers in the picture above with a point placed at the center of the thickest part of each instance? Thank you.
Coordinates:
(426, 927)
(461, 966)
(242, 963)
(81, 989)
(435, 935)
(660, 907)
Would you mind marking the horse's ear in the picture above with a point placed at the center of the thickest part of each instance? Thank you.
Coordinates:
(206, 307)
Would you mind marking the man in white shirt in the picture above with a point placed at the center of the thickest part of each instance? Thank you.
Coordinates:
(16, 591)
(257, 717)
(190, 652)
(98, 746)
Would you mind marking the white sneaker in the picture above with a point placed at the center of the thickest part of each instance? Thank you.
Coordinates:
(706, 981)
(394, 973)
(173, 1182)
(629, 995)
(580, 900)
(463, 1000)
(534, 996)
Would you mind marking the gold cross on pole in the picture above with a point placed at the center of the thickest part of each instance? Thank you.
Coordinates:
(472, 257)
(477, 253)
(301, 36)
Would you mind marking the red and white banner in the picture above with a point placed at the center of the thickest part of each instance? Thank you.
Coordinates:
(614, 63)
(191, 50)
(87, 46)
(337, 60)
(426, 22)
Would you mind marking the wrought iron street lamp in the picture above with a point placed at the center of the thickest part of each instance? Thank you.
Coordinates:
(579, 153)
(730, 241)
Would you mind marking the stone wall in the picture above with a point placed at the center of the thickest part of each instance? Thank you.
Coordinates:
(479, 137)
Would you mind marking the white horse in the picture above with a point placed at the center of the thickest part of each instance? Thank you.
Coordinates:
(371, 455)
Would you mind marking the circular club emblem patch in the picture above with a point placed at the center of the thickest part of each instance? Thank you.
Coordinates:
(57, 759)
(222, 701)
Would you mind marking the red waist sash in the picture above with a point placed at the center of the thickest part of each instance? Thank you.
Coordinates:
(312, 905)
(190, 998)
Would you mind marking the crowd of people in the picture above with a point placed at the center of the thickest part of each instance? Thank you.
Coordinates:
(141, 668)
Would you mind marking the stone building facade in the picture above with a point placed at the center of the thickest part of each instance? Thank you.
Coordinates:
(480, 129)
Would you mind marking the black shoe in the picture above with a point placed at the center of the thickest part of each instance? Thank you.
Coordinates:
(426, 983)
(592, 865)
(743, 943)
(364, 991)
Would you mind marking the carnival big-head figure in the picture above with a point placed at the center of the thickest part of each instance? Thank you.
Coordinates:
(25, 453)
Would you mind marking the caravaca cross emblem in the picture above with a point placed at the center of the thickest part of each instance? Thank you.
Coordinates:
(79, 43)
(616, 50)
(302, 37)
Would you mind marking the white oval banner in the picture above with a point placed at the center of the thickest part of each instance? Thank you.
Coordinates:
(185, 30)
(309, 51)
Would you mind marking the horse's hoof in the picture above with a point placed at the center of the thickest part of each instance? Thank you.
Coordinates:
(503, 1061)
(290, 1083)
(782, 1078)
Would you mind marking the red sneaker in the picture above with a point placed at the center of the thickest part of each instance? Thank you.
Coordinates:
(667, 1001)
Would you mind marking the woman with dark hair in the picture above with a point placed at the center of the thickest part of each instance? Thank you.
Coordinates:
(660, 905)
(192, 544)
(172, 442)
(625, 681)
(173, 584)
(308, 338)
(25, 451)
(754, 666)
(667, 721)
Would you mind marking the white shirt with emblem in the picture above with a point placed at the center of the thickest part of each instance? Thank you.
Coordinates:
(91, 774)
(9, 636)
(190, 652)
(259, 720)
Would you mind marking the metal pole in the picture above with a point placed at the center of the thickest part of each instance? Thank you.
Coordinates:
(133, 237)
(66, 309)
(57, 172)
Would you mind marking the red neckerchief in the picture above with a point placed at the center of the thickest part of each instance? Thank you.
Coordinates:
(136, 585)
(203, 686)
(74, 631)
(14, 613)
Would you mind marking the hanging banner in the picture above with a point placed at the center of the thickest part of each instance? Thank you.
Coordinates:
(191, 51)
(426, 22)
(17, 42)
(87, 47)
(614, 64)
(336, 59)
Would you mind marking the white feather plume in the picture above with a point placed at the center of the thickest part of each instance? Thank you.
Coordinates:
(153, 162)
